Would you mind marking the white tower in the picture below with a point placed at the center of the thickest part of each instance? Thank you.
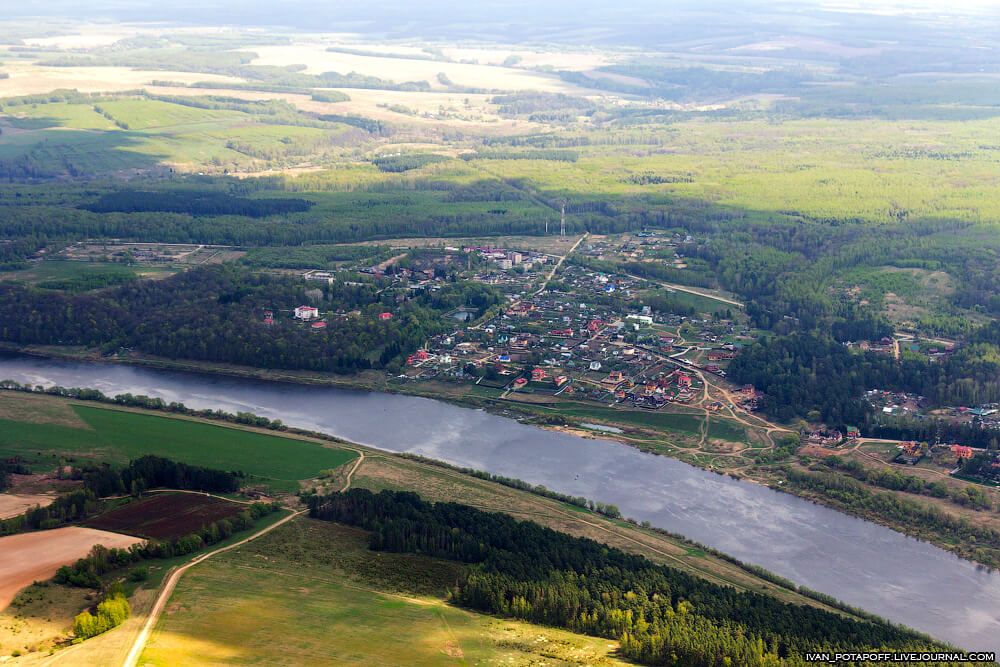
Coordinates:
(562, 226)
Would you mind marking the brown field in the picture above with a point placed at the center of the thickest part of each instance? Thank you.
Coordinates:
(167, 516)
(12, 504)
(30, 557)
(18, 407)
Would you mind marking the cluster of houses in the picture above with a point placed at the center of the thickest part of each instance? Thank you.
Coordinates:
(933, 351)
(897, 403)
(508, 259)
(643, 246)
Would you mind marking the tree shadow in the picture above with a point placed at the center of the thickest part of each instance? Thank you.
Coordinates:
(39, 149)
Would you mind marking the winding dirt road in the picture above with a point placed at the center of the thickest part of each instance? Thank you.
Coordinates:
(171, 583)
(168, 587)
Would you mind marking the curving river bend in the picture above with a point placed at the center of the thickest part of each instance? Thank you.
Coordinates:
(861, 563)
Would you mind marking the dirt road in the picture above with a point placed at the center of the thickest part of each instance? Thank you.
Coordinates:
(168, 587)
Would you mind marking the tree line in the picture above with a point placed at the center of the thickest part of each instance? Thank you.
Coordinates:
(91, 571)
(103, 480)
(215, 314)
(195, 203)
(660, 615)
(802, 372)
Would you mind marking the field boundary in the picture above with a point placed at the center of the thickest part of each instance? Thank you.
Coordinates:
(171, 583)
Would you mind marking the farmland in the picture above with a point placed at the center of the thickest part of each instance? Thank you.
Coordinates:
(118, 436)
(307, 575)
(813, 195)
(32, 557)
(14, 504)
(166, 516)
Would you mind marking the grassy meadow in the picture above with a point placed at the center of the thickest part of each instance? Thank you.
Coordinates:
(309, 593)
(118, 436)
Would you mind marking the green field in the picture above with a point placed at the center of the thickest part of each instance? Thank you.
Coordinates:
(666, 421)
(118, 436)
(311, 593)
(60, 274)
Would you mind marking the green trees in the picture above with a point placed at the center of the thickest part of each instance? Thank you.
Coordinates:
(111, 612)
(215, 314)
(661, 616)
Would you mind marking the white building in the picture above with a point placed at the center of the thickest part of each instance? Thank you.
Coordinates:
(306, 313)
(506, 264)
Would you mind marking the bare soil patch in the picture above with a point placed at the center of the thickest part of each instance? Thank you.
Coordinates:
(12, 504)
(167, 516)
(30, 557)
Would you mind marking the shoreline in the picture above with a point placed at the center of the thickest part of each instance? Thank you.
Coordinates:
(499, 409)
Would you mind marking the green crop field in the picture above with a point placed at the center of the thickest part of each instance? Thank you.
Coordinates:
(282, 598)
(52, 272)
(118, 436)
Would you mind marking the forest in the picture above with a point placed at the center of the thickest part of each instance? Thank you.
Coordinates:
(661, 616)
(215, 313)
(195, 204)
(802, 372)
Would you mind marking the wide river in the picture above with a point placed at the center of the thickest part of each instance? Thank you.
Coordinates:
(864, 564)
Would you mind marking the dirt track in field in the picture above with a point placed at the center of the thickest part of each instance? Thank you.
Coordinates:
(30, 557)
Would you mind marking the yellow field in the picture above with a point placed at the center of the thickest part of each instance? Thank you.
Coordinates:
(32, 79)
(311, 593)
(318, 60)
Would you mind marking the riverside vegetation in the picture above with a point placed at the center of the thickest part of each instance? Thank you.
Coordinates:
(819, 190)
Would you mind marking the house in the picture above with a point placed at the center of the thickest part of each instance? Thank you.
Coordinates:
(683, 380)
(385, 316)
(595, 365)
(537, 374)
(560, 380)
(962, 452)
(910, 452)
(318, 326)
(853, 432)
(519, 382)
(306, 313)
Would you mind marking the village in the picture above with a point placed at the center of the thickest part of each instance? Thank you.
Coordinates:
(566, 334)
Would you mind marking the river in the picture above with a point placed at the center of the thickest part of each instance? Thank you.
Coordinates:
(861, 563)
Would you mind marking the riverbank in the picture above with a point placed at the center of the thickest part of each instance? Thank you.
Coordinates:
(972, 544)
(820, 548)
